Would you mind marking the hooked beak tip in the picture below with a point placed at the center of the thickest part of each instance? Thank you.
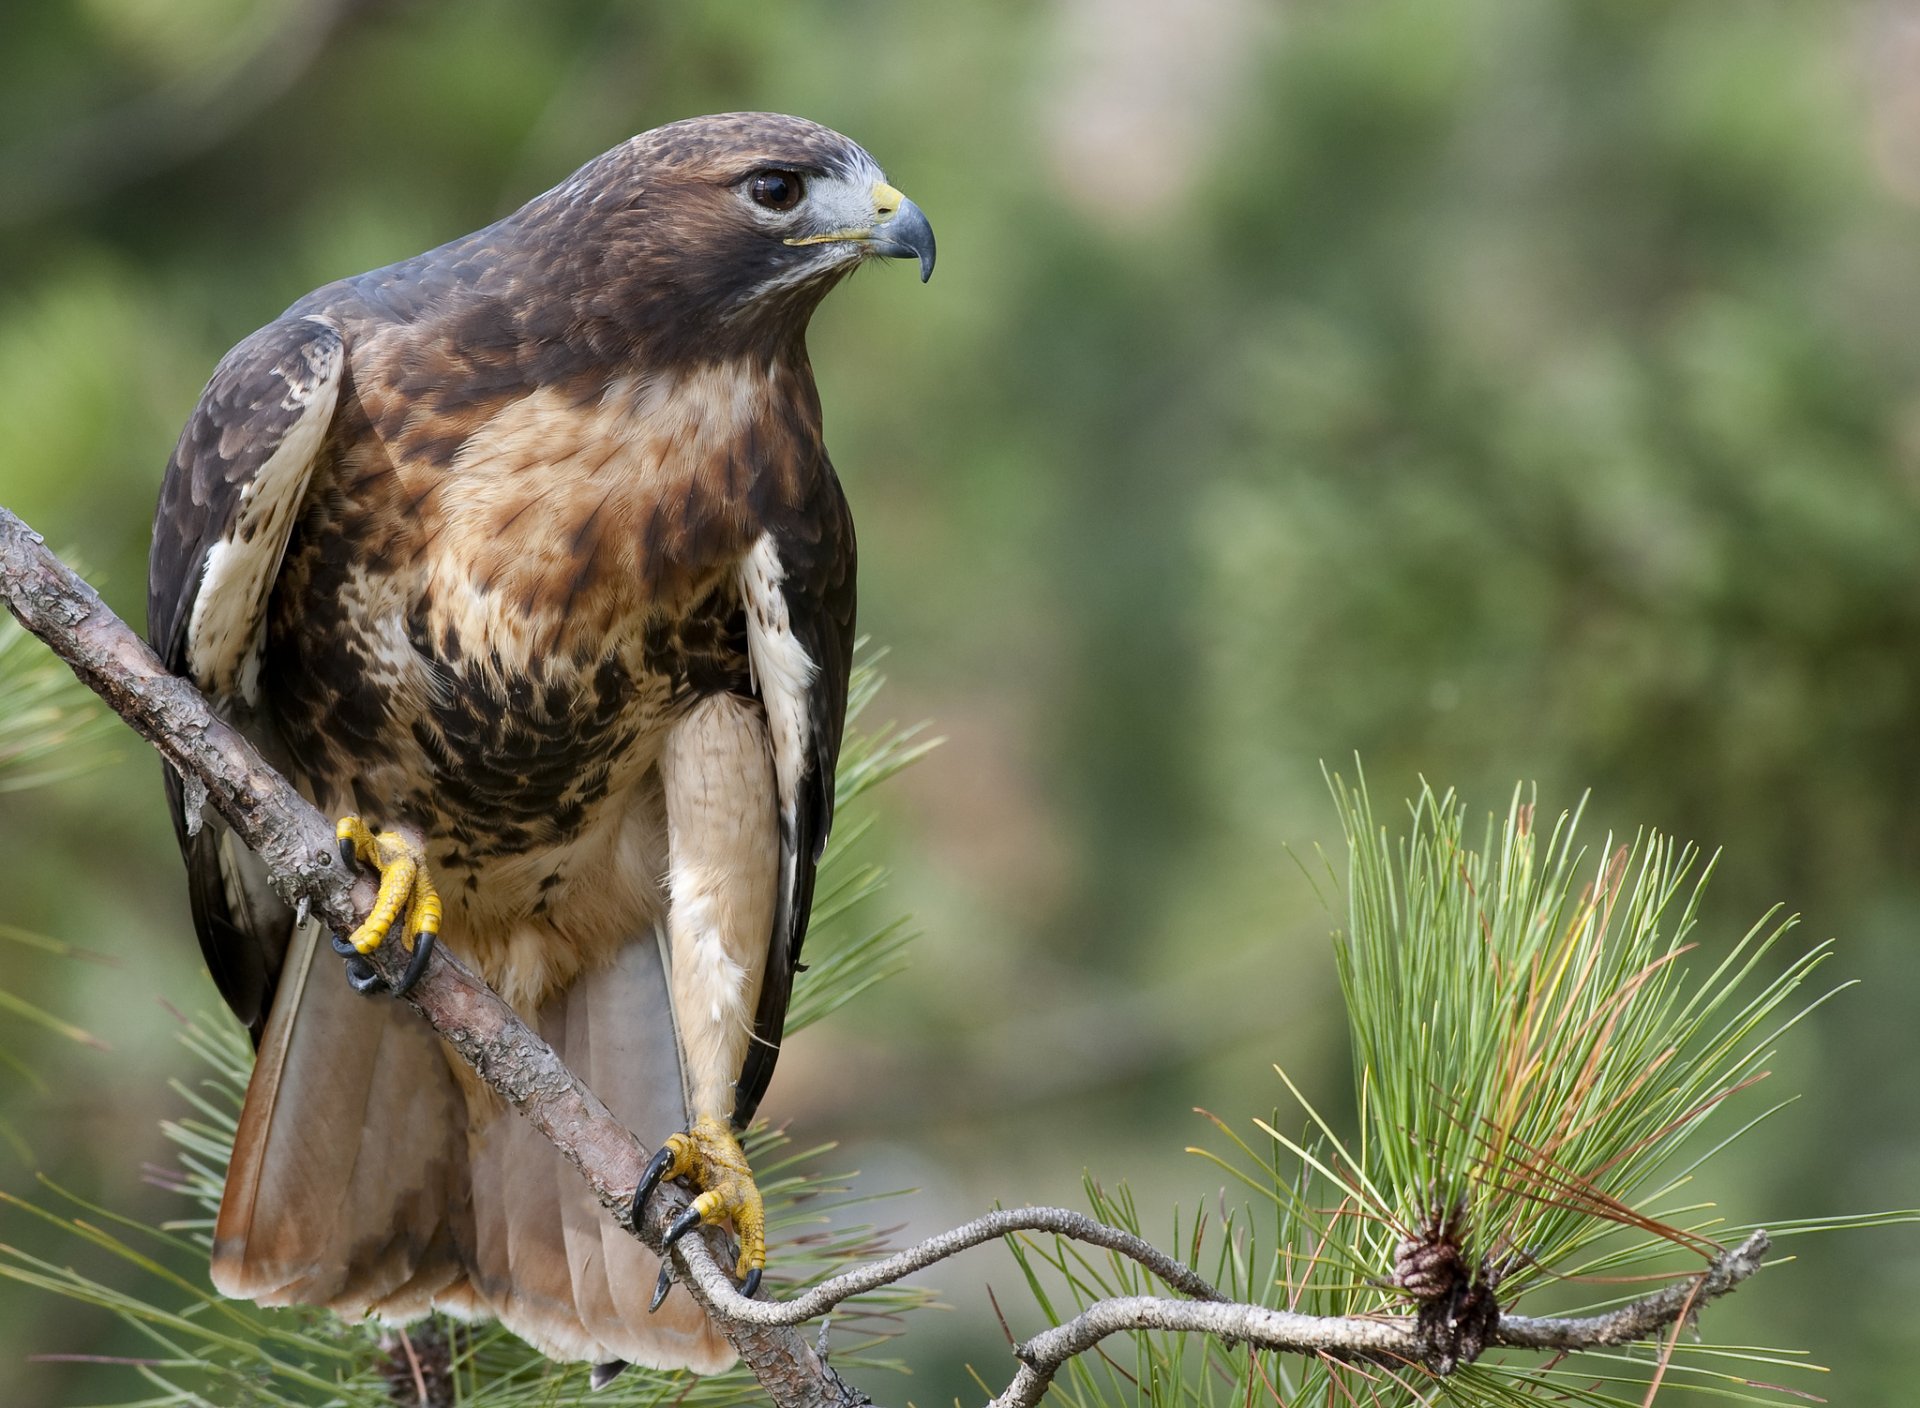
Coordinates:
(907, 235)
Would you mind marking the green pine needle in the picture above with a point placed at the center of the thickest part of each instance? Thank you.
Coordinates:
(51, 728)
(1534, 1062)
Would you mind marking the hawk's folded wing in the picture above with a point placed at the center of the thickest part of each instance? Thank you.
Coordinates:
(227, 506)
(799, 582)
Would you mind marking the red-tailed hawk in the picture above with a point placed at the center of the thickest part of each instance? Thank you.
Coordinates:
(524, 557)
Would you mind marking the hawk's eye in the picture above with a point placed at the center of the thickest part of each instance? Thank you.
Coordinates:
(777, 190)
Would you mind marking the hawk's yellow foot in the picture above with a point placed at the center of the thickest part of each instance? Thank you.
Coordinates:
(709, 1158)
(405, 887)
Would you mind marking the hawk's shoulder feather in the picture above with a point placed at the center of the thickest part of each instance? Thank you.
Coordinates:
(231, 493)
(227, 507)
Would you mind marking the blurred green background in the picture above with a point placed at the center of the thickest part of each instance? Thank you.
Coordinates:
(1503, 391)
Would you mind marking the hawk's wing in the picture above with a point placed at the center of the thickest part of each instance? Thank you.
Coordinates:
(799, 582)
(228, 504)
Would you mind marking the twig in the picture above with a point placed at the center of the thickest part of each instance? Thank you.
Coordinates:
(1062, 1222)
(1393, 1340)
(297, 843)
(1645, 1317)
(418, 1375)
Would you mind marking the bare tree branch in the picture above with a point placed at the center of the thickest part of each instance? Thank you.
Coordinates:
(1388, 1339)
(1644, 1318)
(297, 843)
(995, 1225)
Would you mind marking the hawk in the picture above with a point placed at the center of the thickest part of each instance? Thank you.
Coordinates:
(524, 558)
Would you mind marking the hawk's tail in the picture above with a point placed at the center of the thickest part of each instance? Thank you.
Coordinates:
(344, 1189)
(548, 1260)
(362, 1181)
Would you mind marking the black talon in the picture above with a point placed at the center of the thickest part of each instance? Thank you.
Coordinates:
(751, 1284)
(416, 965)
(363, 977)
(603, 1374)
(682, 1225)
(650, 1180)
(348, 858)
(661, 1287)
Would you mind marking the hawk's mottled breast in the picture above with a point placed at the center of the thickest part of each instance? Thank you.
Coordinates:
(497, 637)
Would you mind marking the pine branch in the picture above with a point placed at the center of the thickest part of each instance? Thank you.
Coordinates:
(1395, 1341)
(297, 843)
(1061, 1222)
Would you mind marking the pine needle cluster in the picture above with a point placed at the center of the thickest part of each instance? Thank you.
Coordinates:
(50, 727)
(1540, 1076)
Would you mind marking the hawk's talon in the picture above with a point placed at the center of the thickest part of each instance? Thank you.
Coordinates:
(684, 1223)
(362, 976)
(709, 1157)
(661, 1286)
(365, 980)
(406, 891)
(417, 964)
(656, 1169)
(751, 1284)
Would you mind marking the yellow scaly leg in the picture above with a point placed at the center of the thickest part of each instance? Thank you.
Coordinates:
(709, 1157)
(404, 886)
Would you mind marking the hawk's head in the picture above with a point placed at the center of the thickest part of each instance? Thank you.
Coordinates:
(719, 234)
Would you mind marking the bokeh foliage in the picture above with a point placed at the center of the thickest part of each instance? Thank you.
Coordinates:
(1498, 390)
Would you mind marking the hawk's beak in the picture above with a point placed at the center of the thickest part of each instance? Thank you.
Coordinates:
(898, 231)
(901, 231)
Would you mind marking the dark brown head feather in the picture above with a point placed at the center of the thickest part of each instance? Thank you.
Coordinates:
(647, 254)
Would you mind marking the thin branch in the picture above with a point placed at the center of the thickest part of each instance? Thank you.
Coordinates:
(297, 843)
(1644, 1318)
(1062, 1222)
(1392, 1340)
(1046, 1354)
